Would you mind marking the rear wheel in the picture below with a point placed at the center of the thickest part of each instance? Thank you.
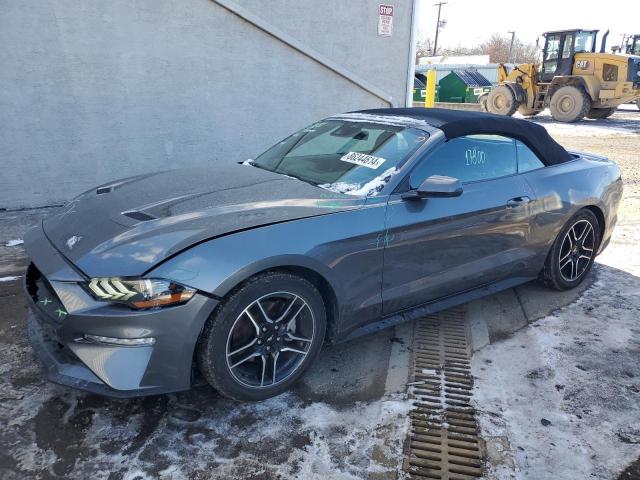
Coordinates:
(502, 101)
(569, 104)
(596, 113)
(573, 252)
(262, 337)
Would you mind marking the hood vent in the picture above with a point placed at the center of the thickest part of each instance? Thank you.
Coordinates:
(103, 190)
(140, 216)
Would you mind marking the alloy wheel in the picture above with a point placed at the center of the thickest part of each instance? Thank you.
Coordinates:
(270, 339)
(577, 250)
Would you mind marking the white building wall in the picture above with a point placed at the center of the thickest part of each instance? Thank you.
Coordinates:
(92, 91)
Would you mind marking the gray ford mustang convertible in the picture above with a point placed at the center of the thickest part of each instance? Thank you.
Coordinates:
(355, 223)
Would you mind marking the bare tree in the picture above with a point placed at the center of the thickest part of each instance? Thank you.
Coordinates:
(525, 52)
(460, 50)
(497, 47)
(424, 47)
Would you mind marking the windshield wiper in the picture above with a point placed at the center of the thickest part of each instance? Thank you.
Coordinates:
(298, 178)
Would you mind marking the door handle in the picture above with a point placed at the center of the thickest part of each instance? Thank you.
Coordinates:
(518, 202)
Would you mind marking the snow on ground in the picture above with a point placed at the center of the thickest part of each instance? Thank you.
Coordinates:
(560, 399)
(9, 279)
(55, 431)
(14, 243)
(596, 129)
(623, 122)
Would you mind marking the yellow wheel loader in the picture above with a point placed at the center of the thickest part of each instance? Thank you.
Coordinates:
(633, 48)
(573, 81)
(633, 45)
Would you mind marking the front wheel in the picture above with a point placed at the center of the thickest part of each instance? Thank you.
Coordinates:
(573, 252)
(501, 101)
(482, 100)
(263, 337)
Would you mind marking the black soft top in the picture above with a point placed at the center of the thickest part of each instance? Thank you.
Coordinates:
(457, 123)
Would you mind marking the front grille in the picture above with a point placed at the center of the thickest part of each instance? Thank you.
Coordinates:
(44, 297)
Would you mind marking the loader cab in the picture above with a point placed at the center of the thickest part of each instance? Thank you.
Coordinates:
(633, 47)
(560, 48)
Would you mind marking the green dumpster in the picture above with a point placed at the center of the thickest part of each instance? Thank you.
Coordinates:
(419, 87)
(462, 86)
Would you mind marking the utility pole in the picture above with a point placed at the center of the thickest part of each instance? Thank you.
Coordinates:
(438, 25)
(513, 38)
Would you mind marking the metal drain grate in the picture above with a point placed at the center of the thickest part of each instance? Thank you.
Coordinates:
(443, 442)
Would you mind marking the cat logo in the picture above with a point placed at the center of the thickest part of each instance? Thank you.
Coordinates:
(582, 64)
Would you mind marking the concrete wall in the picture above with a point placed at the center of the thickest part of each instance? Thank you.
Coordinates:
(91, 91)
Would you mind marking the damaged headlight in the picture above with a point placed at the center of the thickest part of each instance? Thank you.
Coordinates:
(139, 293)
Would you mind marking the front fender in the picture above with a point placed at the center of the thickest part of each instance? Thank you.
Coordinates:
(589, 83)
(199, 267)
(518, 92)
(344, 248)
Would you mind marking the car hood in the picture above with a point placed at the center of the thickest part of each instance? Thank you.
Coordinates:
(126, 227)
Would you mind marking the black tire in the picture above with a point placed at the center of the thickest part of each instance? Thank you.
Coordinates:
(527, 112)
(552, 275)
(569, 104)
(597, 113)
(501, 101)
(215, 338)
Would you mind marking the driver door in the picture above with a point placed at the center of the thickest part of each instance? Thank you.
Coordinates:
(436, 247)
(552, 57)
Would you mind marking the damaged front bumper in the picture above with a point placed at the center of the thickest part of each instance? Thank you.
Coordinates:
(73, 334)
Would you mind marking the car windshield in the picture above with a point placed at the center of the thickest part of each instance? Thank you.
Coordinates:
(352, 157)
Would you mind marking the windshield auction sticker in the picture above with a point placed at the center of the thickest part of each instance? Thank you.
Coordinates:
(363, 159)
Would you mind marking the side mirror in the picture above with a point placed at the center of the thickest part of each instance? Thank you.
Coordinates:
(435, 186)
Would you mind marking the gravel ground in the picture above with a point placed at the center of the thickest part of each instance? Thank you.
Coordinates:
(561, 398)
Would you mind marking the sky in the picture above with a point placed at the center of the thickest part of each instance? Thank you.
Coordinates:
(471, 22)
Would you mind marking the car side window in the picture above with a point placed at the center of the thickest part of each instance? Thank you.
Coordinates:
(469, 159)
(527, 160)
